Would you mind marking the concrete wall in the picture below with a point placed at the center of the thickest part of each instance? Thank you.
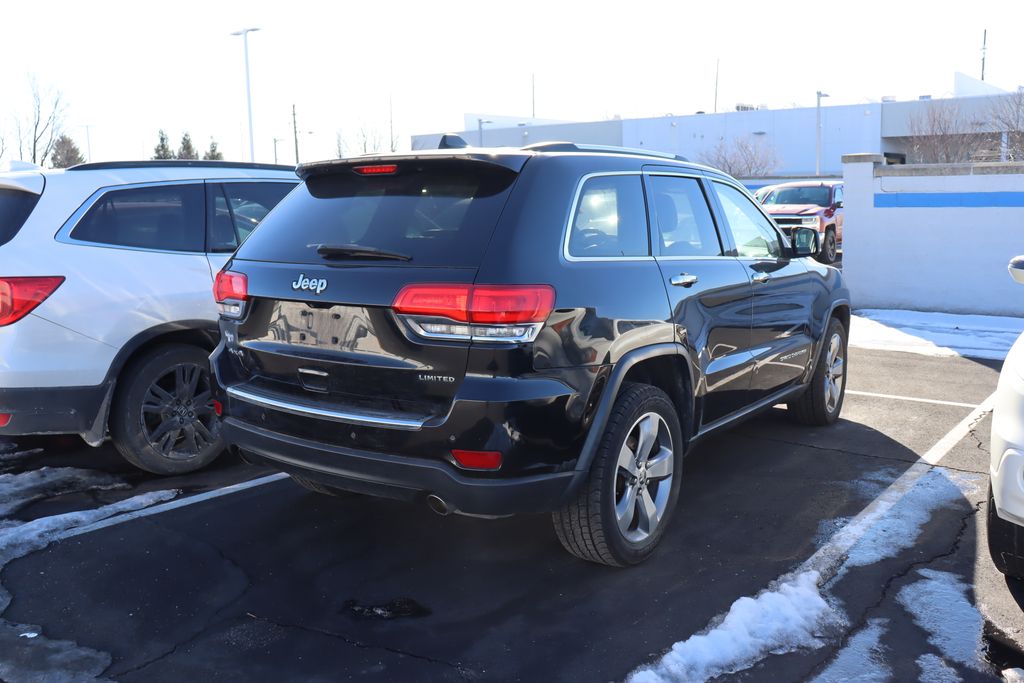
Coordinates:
(933, 237)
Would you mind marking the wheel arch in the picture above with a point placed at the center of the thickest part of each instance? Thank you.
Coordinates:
(666, 366)
(202, 333)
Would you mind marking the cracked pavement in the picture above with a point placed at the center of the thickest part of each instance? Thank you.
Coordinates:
(257, 585)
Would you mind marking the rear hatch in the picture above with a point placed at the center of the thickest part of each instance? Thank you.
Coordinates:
(325, 267)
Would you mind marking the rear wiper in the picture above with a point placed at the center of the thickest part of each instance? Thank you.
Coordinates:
(357, 251)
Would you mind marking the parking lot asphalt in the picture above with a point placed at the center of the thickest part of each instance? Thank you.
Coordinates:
(274, 582)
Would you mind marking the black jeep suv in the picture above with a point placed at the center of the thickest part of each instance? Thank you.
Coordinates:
(501, 331)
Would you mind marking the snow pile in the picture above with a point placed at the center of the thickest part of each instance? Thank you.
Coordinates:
(18, 490)
(935, 334)
(939, 605)
(787, 617)
(861, 661)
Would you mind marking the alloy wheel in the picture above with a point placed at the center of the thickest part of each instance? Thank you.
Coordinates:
(643, 481)
(178, 418)
(834, 369)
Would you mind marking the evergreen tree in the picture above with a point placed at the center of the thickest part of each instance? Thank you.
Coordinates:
(213, 154)
(163, 149)
(65, 153)
(187, 151)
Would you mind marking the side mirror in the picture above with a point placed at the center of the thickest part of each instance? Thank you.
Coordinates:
(806, 242)
(839, 204)
(1016, 269)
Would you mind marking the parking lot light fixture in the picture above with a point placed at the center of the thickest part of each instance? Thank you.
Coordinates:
(248, 91)
(480, 130)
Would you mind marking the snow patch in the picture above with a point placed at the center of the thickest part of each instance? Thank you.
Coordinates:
(11, 455)
(899, 528)
(789, 616)
(1013, 675)
(18, 490)
(862, 660)
(37, 658)
(935, 334)
(938, 604)
(935, 670)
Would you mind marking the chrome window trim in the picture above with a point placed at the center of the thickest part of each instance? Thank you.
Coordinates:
(360, 419)
(567, 230)
(63, 235)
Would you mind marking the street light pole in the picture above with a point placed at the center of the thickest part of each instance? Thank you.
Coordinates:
(817, 130)
(248, 91)
(480, 130)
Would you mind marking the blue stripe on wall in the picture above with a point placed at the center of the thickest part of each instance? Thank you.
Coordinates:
(935, 200)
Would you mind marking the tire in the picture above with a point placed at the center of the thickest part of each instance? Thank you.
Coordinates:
(829, 249)
(1005, 542)
(820, 404)
(588, 526)
(162, 419)
(317, 487)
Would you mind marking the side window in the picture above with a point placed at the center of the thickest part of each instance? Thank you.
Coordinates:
(610, 218)
(238, 208)
(685, 226)
(753, 233)
(166, 217)
(839, 195)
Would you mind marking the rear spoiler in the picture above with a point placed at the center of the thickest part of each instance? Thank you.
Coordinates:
(25, 182)
(513, 160)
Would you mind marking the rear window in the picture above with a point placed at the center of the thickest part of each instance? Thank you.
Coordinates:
(15, 207)
(437, 214)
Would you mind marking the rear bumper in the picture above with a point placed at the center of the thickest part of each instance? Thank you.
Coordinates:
(51, 410)
(401, 477)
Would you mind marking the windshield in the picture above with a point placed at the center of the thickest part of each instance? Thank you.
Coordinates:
(818, 195)
(437, 214)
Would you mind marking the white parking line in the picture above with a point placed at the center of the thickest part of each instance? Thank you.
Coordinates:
(170, 505)
(912, 398)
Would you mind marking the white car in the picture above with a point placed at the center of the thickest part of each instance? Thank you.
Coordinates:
(1006, 470)
(107, 316)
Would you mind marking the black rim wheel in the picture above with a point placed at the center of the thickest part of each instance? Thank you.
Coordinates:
(178, 419)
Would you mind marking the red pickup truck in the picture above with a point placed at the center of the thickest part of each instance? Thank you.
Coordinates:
(813, 204)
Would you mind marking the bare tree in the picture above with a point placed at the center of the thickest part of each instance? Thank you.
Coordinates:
(1007, 116)
(942, 134)
(3, 146)
(742, 157)
(44, 124)
(339, 145)
(369, 140)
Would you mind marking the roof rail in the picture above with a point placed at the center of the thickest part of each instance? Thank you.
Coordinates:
(177, 163)
(606, 149)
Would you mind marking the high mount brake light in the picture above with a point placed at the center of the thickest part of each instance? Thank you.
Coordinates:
(499, 313)
(377, 169)
(231, 291)
(20, 295)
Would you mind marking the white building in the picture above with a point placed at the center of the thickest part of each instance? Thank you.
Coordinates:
(876, 127)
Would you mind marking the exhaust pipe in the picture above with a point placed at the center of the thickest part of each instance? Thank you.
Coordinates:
(435, 503)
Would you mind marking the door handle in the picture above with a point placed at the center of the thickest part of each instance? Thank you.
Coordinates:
(683, 280)
(761, 278)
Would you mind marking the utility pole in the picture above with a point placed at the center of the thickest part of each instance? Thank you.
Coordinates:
(295, 132)
(88, 142)
(717, 64)
(391, 124)
(533, 96)
(817, 141)
(984, 48)
(276, 140)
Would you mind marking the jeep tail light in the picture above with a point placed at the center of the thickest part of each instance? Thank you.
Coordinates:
(20, 295)
(231, 290)
(496, 313)
(477, 460)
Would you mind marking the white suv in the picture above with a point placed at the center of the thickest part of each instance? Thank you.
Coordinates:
(106, 313)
